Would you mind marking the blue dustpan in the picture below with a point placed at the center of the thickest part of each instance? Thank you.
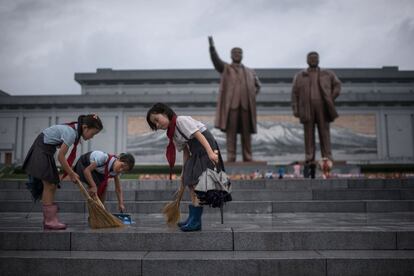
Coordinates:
(125, 218)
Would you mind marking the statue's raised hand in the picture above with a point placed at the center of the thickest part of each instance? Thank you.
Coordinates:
(210, 41)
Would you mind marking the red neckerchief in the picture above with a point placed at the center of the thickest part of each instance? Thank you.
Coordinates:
(72, 154)
(104, 184)
(170, 153)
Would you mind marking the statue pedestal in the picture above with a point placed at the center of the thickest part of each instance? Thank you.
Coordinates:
(245, 167)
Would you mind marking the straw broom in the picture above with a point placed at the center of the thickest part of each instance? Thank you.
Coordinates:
(99, 217)
(171, 210)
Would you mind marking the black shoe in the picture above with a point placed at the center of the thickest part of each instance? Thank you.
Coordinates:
(306, 171)
(312, 170)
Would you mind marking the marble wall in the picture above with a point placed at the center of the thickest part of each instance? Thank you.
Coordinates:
(373, 135)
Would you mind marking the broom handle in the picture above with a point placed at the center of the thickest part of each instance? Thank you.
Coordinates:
(99, 201)
(86, 194)
(180, 191)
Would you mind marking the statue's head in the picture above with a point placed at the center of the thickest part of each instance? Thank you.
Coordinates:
(236, 55)
(313, 59)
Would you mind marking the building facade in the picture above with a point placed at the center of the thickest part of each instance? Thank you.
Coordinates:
(376, 108)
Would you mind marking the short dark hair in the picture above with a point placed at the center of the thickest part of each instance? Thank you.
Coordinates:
(128, 159)
(312, 53)
(159, 108)
(236, 48)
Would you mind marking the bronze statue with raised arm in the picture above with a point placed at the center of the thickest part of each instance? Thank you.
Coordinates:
(314, 92)
(236, 102)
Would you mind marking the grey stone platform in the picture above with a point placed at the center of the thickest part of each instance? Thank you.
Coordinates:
(283, 244)
(325, 262)
(360, 229)
(252, 197)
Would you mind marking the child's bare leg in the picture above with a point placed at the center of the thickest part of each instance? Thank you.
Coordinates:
(50, 209)
(48, 196)
(194, 198)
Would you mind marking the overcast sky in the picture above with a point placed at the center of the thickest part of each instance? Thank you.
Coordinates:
(44, 42)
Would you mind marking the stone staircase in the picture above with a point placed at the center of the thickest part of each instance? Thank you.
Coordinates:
(273, 227)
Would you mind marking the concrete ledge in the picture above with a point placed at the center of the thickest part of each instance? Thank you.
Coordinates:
(405, 240)
(390, 206)
(236, 207)
(148, 207)
(382, 263)
(210, 239)
(276, 184)
(48, 240)
(320, 240)
(233, 263)
(170, 241)
(348, 262)
(271, 195)
(26, 206)
(305, 184)
(357, 194)
(381, 183)
(319, 206)
(239, 195)
(70, 263)
(407, 194)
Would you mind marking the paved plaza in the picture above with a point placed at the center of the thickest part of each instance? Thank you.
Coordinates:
(273, 227)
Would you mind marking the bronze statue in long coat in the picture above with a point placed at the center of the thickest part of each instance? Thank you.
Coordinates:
(236, 102)
(314, 92)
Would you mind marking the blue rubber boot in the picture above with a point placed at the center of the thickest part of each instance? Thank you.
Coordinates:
(182, 223)
(194, 223)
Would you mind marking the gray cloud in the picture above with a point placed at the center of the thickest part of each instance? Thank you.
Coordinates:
(43, 43)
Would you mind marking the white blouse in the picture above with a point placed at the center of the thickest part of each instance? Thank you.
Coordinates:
(100, 158)
(188, 126)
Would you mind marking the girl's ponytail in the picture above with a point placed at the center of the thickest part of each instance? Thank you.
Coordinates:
(80, 120)
(91, 121)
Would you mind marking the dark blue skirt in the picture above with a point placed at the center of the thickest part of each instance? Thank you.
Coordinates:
(198, 161)
(40, 165)
(82, 164)
(40, 161)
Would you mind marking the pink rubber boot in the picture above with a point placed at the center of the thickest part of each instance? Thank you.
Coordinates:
(50, 219)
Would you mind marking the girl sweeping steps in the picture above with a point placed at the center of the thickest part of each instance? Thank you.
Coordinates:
(200, 151)
(41, 167)
(96, 167)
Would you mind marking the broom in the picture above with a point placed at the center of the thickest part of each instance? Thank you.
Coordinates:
(171, 210)
(98, 216)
